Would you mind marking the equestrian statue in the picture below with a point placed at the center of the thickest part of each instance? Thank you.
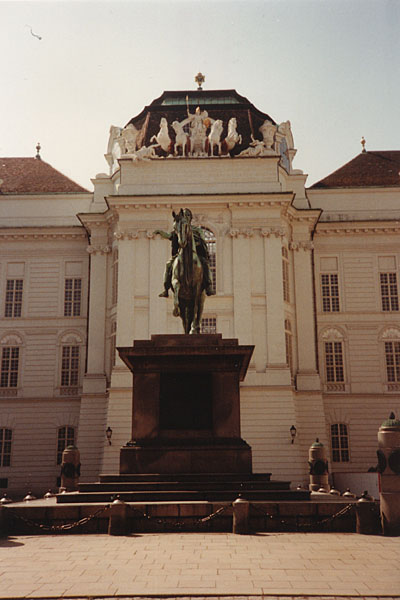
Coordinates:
(187, 273)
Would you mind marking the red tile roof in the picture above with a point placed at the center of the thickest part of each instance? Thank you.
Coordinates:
(34, 176)
(368, 169)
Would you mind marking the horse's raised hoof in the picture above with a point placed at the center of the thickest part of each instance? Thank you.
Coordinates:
(176, 311)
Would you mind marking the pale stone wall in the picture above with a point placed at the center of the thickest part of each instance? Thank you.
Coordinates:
(254, 208)
(356, 240)
(42, 257)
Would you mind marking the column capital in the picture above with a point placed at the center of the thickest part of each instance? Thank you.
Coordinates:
(301, 245)
(97, 249)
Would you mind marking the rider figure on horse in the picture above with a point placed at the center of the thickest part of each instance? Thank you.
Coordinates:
(201, 249)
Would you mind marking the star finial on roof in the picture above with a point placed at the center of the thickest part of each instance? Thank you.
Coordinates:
(38, 147)
(363, 142)
(199, 79)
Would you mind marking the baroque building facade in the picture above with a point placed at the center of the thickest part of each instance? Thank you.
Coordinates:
(309, 276)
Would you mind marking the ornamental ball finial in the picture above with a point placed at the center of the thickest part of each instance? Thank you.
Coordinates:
(363, 142)
(199, 79)
(38, 147)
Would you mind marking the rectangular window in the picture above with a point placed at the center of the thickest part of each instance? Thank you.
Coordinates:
(5, 447)
(334, 362)
(9, 367)
(285, 274)
(70, 366)
(209, 325)
(289, 345)
(72, 297)
(389, 292)
(330, 292)
(113, 343)
(114, 295)
(392, 356)
(340, 443)
(13, 304)
(66, 437)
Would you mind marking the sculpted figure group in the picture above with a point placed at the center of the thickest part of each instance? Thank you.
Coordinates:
(198, 135)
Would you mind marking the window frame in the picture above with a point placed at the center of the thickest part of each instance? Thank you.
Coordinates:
(389, 300)
(340, 443)
(335, 371)
(210, 328)
(211, 242)
(395, 360)
(330, 301)
(73, 297)
(9, 377)
(285, 274)
(70, 365)
(13, 298)
(4, 431)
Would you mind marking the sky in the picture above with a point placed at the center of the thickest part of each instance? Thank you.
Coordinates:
(330, 67)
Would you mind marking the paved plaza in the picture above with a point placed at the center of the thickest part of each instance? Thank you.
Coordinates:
(201, 565)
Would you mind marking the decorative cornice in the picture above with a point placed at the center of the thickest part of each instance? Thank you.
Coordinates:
(9, 237)
(360, 229)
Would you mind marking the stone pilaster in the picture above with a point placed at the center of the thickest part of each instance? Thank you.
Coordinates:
(93, 410)
(157, 306)
(241, 284)
(276, 353)
(307, 375)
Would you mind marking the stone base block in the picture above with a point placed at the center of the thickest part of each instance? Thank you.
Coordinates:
(181, 456)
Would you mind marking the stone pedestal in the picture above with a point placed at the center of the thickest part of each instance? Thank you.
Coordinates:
(186, 405)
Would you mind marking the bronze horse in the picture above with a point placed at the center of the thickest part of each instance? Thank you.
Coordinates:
(187, 275)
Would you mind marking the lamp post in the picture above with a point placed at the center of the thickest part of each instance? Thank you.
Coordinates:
(109, 433)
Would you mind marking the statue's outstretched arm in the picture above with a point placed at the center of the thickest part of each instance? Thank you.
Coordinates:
(164, 234)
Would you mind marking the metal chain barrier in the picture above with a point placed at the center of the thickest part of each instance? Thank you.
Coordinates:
(344, 511)
(64, 527)
(180, 524)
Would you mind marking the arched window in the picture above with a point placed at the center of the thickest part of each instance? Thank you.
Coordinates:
(65, 437)
(333, 350)
(340, 442)
(391, 341)
(70, 359)
(10, 361)
(211, 247)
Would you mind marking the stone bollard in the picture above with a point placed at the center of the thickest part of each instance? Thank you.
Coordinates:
(241, 509)
(389, 475)
(367, 521)
(318, 467)
(70, 469)
(118, 520)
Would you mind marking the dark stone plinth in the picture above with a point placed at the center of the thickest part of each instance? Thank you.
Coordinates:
(186, 405)
(183, 456)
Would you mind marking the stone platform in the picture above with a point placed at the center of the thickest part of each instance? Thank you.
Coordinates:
(210, 487)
